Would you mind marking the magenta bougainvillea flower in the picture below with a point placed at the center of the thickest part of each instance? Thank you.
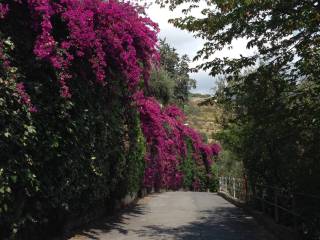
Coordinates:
(25, 98)
(4, 9)
(107, 34)
(117, 42)
(166, 135)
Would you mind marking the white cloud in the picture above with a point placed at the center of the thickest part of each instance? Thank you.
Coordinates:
(205, 82)
(185, 43)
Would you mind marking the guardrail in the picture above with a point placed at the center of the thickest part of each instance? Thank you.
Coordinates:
(284, 207)
(235, 187)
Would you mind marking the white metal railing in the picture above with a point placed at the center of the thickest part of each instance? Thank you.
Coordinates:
(276, 202)
(234, 187)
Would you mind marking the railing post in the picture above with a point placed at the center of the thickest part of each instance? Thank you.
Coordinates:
(234, 187)
(295, 220)
(246, 189)
(276, 210)
(223, 184)
(226, 185)
(262, 200)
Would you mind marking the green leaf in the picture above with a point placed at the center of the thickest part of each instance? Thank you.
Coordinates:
(8, 189)
(14, 178)
(7, 134)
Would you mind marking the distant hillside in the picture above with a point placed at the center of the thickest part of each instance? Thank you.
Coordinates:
(203, 118)
(200, 95)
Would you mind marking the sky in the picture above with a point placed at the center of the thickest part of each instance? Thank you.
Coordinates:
(185, 43)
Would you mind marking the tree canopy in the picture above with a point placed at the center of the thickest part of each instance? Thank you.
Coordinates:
(272, 93)
(170, 80)
(282, 33)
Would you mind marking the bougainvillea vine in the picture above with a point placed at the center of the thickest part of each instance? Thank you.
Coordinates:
(4, 9)
(84, 147)
(108, 34)
(113, 37)
(166, 135)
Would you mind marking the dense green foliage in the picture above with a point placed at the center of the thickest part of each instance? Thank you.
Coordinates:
(275, 132)
(198, 177)
(161, 85)
(67, 159)
(170, 81)
(278, 124)
(230, 160)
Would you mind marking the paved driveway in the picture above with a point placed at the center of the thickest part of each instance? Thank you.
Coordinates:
(179, 215)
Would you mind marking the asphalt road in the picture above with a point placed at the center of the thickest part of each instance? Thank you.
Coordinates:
(179, 215)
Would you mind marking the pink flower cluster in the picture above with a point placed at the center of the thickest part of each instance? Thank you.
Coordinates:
(25, 98)
(166, 135)
(106, 34)
(4, 9)
(115, 41)
(20, 89)
(196, 185)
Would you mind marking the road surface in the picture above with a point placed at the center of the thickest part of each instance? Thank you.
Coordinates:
(179, 215)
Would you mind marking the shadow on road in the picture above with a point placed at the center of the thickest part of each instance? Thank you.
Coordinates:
(222, 223)
(210, 223)
(109, 223)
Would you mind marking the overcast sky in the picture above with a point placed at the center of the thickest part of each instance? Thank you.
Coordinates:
(185, 43)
